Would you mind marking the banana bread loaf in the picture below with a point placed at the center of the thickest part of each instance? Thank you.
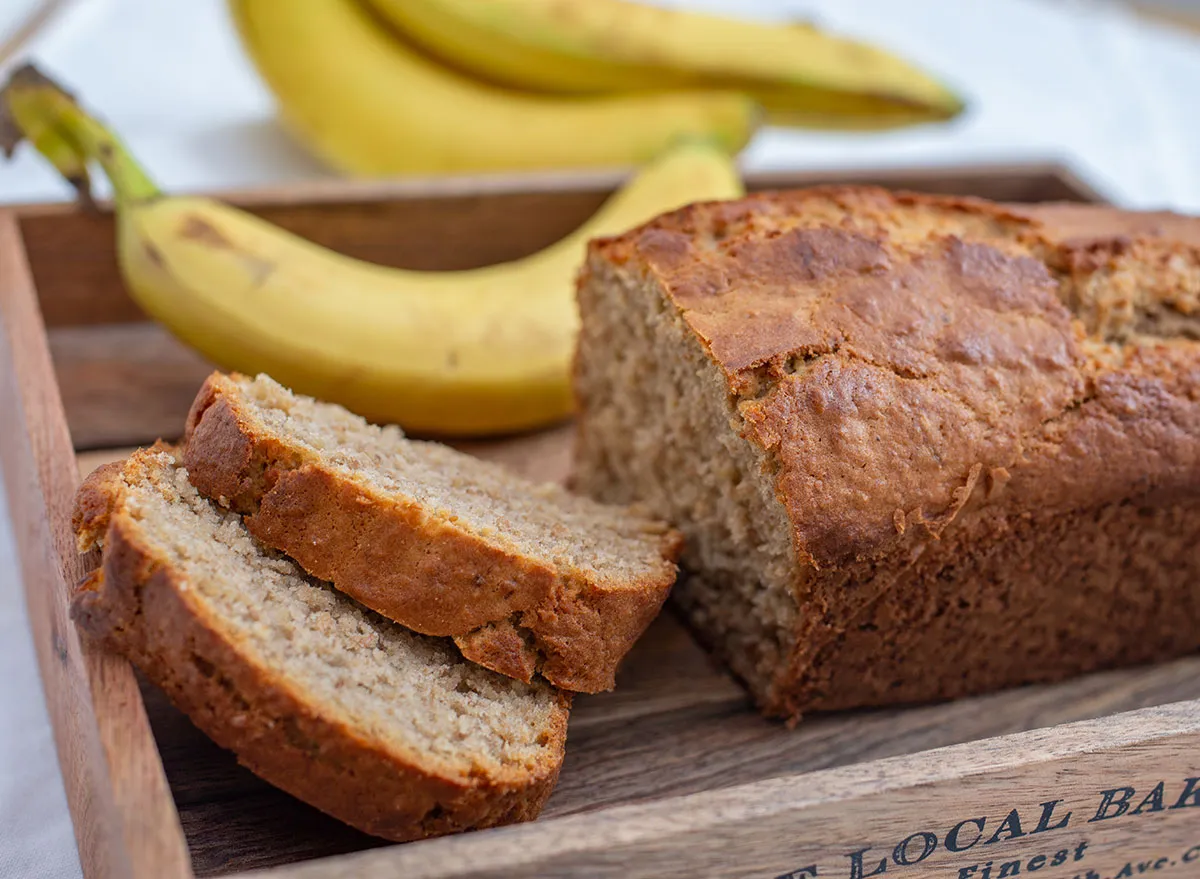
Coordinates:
(919, 447)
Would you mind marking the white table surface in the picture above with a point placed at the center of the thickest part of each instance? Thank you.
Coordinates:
(1084, 83)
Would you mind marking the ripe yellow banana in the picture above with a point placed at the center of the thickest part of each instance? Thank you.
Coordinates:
(368, 104)
(456, 353)
(803, 76)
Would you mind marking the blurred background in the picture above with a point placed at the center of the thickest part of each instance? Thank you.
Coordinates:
(1108, 88)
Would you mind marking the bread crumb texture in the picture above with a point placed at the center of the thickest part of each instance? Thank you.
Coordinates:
(543, 521)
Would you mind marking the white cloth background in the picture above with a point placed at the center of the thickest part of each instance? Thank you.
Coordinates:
(1084, 83)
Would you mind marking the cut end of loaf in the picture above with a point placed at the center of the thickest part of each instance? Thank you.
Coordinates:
(656, 429)
(383, 728)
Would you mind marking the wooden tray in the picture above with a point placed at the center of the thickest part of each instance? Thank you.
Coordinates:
(671, 775)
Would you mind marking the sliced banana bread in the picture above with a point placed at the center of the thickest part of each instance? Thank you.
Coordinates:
(387, 730)
(526, 578)
(919, 447)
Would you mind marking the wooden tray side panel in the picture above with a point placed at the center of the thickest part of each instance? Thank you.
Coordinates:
(1007, 807)
(124, 384)
(125, 821)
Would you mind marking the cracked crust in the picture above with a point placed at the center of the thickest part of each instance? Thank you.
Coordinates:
(508, 611)
(921, 378)
(140, 604)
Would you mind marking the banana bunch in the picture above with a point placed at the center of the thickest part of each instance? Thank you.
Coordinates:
(369, 104)
(425, 86)
(471, 352)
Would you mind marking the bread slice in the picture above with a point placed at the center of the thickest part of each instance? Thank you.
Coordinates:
(387, 730)
(919, 446)
(526, 578)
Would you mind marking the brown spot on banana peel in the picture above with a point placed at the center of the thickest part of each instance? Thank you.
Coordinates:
(196, 228)
(154, 255)
(260, 269)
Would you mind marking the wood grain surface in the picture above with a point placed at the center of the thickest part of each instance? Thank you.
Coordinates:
(1077, 800)
(125, 823)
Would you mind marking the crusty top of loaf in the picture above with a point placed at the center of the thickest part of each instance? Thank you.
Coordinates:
(900, 356)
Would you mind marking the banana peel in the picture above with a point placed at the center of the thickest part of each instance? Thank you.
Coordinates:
(369, 104)
(802, 75)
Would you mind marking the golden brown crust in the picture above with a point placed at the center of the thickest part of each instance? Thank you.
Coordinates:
(422, 572)
(89, 519)
(137, 603)
(914, 366)
(506, 611)
(502, 648)
(955, 347)
(1057, 595)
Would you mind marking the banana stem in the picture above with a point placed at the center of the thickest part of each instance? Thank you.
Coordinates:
(38, 109)
(64, 155)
